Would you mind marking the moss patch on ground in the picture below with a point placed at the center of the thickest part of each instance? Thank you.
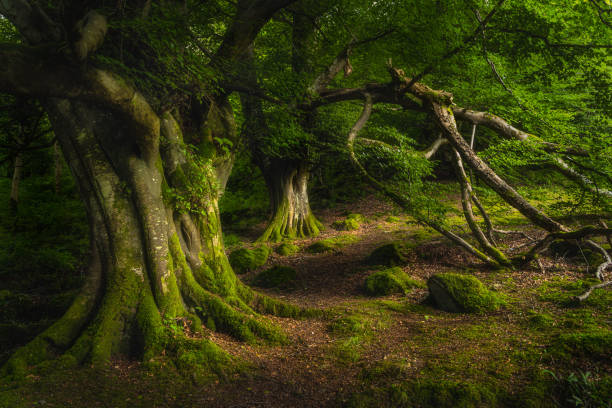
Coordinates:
(350, 223)
(276, 277)
(244, 260)
(332, 244)
(388, 281)
(462, 293)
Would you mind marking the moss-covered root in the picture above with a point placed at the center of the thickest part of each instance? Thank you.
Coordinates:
(268, 305)
(462, 293)
(283, 226)
(60, 335)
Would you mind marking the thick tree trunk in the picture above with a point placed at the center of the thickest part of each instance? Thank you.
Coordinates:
(152, 262)
(291, 216)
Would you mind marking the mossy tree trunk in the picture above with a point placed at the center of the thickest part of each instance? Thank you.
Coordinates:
(291, 216)
(150, 185)
(152, 260)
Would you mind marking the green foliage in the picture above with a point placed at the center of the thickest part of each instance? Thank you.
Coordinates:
(581, 390)
(277, 276)
(463, 293)
(245, 199)
(388, 281)
(197, 188)
(244, 260)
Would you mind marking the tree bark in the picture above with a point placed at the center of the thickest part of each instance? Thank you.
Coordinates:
(291, 216)
(150, 183)
(151, 261)
(14, 197)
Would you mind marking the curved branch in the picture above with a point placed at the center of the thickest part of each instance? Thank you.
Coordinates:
(41, 72)
(398, 199)
(466, 202)
(503, 128)
(544, 243)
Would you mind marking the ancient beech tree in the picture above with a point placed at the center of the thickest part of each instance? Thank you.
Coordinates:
(149, 167)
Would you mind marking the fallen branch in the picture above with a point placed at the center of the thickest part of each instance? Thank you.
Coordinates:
(586, 294)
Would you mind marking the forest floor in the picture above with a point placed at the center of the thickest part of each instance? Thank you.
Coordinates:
(396, 350)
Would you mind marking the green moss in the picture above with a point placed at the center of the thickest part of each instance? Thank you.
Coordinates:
(332, 244)
(388, 254)
(244, 260)
(439, 393)
(388, 281)
(591, 344)
(286, 249)
(540, 320)
(346, 225)
(392, 218)
(355, 216)
(349, 325)
(462, 293)
(563, 291)
(277, 276)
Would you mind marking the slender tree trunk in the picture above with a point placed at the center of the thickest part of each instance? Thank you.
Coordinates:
(291, 215)
(14, 197)
(57, 167)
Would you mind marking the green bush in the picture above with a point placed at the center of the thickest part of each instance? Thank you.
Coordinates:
(389, 281)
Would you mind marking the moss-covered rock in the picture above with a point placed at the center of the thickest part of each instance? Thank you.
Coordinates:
(388, 254)
(462, 293)
(277, 276)
(351, 223)
(540, 320)
(244, 260)
(286, 249)
(393, 280)
(346, 225)
(392, 218)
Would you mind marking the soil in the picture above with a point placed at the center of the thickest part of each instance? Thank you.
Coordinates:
(308, 373)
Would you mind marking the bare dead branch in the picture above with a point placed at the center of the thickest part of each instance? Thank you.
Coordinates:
(466, 203)
(398, 199)
(435, 146)
(586, 294)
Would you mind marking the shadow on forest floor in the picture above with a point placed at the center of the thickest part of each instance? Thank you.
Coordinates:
(388, 351)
